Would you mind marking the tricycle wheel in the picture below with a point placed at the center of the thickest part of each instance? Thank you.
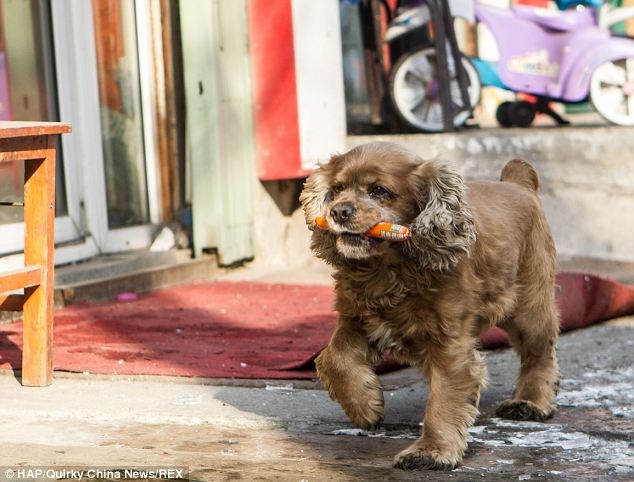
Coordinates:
(522, 113)
(612, 91)
(502, 114)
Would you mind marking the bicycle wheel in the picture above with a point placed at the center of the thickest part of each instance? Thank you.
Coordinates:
(612, 91)
(415, 90)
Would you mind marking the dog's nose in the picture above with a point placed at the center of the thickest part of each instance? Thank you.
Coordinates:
(342, 212)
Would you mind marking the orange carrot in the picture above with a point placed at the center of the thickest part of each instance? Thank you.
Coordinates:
(321, 222)
(388, 231)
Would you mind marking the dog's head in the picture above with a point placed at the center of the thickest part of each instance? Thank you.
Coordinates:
(384, 182)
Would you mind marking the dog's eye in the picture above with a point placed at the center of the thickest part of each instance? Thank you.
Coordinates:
(379, 191)
(336, 188)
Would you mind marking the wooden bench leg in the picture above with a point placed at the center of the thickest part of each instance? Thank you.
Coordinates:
(39, 249)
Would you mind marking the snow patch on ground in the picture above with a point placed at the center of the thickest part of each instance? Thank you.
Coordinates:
(572, 445)
(612, 389)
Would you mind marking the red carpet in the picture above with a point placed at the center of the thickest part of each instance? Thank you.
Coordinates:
(243, 330)
(220, 330)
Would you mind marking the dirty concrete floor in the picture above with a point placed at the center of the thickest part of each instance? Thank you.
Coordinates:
(291, 431)
(217, 430)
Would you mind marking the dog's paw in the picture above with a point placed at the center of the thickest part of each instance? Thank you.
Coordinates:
(523, 410)
(415, 458)
(365, 407)
(358, 391)
(368, 417)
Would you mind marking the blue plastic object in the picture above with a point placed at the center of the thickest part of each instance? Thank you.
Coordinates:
(488, 73)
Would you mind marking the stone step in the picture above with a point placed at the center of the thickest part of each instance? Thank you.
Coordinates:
(106, 277)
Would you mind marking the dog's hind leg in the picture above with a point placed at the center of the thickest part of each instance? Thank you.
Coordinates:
(533, 330)
(533, 333)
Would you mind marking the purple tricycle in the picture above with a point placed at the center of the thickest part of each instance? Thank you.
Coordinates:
(562, 56)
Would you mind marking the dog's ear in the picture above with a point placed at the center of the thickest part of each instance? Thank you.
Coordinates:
(444, 230)
(314, 195)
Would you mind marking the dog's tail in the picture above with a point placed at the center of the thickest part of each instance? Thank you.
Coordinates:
(522, 173)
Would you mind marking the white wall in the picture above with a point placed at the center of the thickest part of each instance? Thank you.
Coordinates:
(319, 76)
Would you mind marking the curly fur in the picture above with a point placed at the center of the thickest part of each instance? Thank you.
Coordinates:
(444, 230)
(481, 254)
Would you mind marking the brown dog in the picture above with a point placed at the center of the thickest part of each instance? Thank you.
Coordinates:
(480, 255)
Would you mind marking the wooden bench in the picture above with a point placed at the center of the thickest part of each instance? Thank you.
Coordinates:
(34, 144)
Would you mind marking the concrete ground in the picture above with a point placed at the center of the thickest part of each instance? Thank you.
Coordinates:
(216, 430)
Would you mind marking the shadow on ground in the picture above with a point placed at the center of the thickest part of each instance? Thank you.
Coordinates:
(590, 437)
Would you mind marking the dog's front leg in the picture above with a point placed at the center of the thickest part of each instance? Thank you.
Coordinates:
(455, 376)
(346, 368)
